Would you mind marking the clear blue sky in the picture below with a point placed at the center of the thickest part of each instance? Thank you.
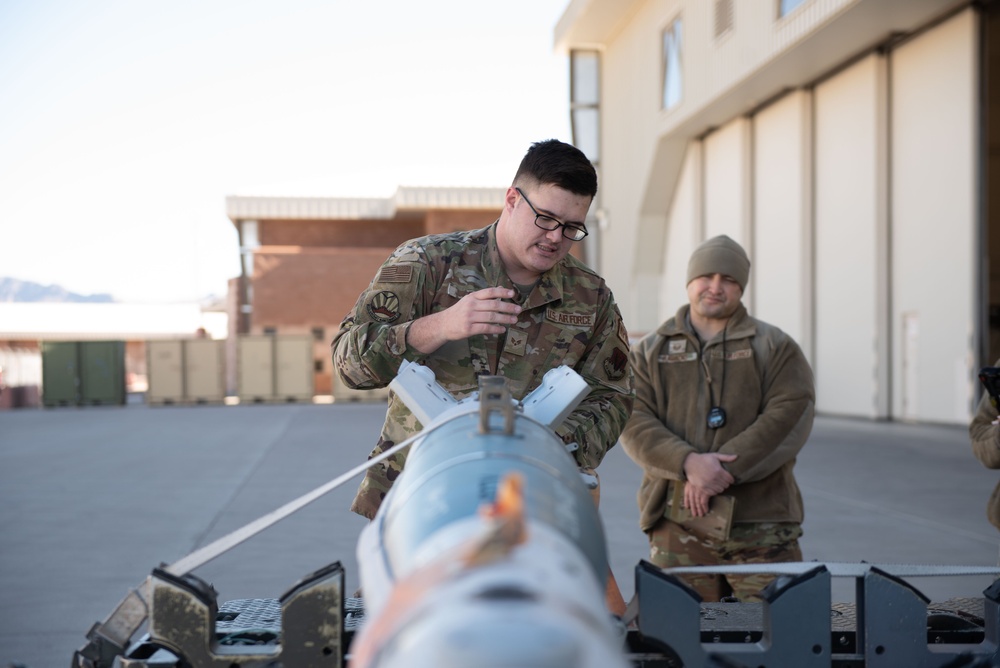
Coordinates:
(124, 124)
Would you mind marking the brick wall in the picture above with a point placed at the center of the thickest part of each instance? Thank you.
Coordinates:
(442, 221)
(310, 287)
(341, 233)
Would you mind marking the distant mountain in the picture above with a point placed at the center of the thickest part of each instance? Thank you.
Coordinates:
(14, 290)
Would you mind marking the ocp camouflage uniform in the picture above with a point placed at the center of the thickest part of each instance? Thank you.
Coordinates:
(985, 436)
(769, 401)
(671, 545)
(569, 318)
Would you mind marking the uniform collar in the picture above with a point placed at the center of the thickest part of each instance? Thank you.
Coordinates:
(492, 265)
(740, 325)
(550, 284)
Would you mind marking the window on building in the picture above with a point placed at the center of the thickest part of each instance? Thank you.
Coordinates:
(318, 333)
(672, 83)
(318, 365)
(270, 331)
(786, 7)
(249, 242)
(723, 17)
(585, 101)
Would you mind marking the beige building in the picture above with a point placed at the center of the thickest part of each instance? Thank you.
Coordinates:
(847, 144)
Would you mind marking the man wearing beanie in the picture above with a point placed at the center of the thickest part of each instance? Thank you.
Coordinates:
(724, 403)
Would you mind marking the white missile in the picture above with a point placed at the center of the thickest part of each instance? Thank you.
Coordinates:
(488, 551)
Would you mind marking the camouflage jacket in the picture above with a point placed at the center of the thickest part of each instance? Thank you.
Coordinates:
(985, 438)
(569, 318)
(761, 379)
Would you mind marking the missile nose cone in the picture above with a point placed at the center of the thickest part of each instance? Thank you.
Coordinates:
(491, 641)
(512, 642)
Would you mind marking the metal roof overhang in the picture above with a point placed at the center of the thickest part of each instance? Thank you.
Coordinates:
(88, 322)
(592, 23)
(357, 208)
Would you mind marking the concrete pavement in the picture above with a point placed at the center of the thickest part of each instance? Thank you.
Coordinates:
(91, 499)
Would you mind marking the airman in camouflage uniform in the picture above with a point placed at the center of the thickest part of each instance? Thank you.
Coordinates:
(724, 403)
(985, 435)
(504, 300)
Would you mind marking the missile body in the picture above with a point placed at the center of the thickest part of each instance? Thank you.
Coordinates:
(488, 551)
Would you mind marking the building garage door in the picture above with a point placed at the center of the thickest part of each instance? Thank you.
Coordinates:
(933, 219)
(849, 226)
(782, 258)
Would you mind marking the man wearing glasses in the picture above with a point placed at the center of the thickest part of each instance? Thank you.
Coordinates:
(504, 300)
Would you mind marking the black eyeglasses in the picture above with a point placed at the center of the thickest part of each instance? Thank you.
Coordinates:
(571, 231)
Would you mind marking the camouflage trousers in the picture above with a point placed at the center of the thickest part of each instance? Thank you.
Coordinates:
(672, 545)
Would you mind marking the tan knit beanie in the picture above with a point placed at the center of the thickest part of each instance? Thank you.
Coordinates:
(720, 255)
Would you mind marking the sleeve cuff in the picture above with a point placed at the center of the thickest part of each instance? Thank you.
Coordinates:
(398, 346)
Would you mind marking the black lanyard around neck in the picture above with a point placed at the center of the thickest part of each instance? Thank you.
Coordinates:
(717, 415)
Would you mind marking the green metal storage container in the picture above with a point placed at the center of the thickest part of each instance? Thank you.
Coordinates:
(60, 373)
(76, 373)
(102, 372)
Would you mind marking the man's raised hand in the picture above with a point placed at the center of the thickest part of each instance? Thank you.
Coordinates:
(480, 312)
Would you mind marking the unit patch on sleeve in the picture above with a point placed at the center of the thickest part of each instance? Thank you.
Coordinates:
(383, 306)
(616, 364)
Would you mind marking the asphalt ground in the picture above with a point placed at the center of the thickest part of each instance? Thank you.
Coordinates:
(91, 499)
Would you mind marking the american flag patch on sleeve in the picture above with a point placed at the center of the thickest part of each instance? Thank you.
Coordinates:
(397, 273)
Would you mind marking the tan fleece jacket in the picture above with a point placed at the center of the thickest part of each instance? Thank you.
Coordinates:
(769, 399)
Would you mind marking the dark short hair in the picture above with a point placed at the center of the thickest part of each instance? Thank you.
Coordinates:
(557, 163)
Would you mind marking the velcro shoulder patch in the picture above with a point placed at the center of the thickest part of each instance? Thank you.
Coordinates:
(396, 273)
(616, 364)
(623, 333)
(678, 357)
(383, 306)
